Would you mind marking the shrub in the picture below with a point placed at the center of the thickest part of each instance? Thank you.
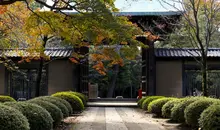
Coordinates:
(56, 102)
(67, 104)
(12, 119)
(75, 102)
(80, 95)
(139, 103)
(54, 111)
(177, 112)
(38, 117)
(156, 105)
(148, 100)
(193, 111)
(210, 119)
(167, 107)
(4, 98)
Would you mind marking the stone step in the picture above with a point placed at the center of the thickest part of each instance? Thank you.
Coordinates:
(112, 104)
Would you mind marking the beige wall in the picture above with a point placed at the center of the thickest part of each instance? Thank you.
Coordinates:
(2, 79)
(60, 76)
(169, 78)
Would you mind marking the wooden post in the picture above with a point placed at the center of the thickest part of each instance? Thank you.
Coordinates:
(151, 69)
(148, 67)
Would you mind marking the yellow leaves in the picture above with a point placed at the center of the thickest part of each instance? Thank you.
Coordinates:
(118, 61)
(26, 59)
(100, 38)
(3, 9)
(99, 67)
(99, 57)
(151, 37)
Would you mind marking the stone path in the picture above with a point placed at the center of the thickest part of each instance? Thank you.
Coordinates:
(114, 118)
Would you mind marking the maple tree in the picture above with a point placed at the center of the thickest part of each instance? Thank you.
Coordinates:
(94, 24)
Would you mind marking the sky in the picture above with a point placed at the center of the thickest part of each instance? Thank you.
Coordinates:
(143, 6)
(139, 5)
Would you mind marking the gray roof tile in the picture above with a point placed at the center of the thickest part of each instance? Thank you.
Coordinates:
(48, 52)
(186, 52)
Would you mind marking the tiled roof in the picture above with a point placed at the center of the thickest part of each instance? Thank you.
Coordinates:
(59, 52)
(164, 13)
(173, 52)
(167, 13)
(48, 52)
(159, 52)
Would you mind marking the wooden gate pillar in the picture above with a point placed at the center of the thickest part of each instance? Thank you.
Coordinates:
(148, 80)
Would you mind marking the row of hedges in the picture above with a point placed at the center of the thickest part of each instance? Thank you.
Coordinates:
(41, 113)
(196, 112)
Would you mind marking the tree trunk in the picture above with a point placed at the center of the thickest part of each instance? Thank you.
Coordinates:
(39, 76)
(113, 81)
(40, 70)
(204, 77)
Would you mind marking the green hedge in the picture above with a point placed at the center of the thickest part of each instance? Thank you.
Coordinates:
(75, 102)
(210, 118)
(54, 111)
(167, 107)
(38, 117)
(4, 98)
(148, 100)
(156, 106)
(12, 119)
(177, 112)
(139, 103)
(193, 111)
(64, 102)
(81, 96)
(56, 102)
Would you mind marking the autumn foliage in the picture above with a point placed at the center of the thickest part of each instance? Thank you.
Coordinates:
(3, 9)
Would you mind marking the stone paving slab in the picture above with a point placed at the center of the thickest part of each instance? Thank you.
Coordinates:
(114, 118)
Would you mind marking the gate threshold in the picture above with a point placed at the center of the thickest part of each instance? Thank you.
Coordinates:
(111, 102)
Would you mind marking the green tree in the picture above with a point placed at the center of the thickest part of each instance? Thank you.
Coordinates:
(198, 26)
(111, 80)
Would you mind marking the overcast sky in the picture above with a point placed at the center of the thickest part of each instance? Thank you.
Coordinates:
(143, 5)
(139, 5)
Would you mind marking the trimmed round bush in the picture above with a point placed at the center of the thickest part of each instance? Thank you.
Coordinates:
(57, 103)
(210, 118)
(156, 106)
(80, 95)
(75, 102)
(177, 112)
(12, 119)
(67, 104)
(38, 117)
(139, 103)
(4, 98)
(54, 111)
(148, 100)
(193, 111)
(167, 107)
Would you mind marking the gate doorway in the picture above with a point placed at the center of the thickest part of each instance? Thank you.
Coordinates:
(126, 84)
